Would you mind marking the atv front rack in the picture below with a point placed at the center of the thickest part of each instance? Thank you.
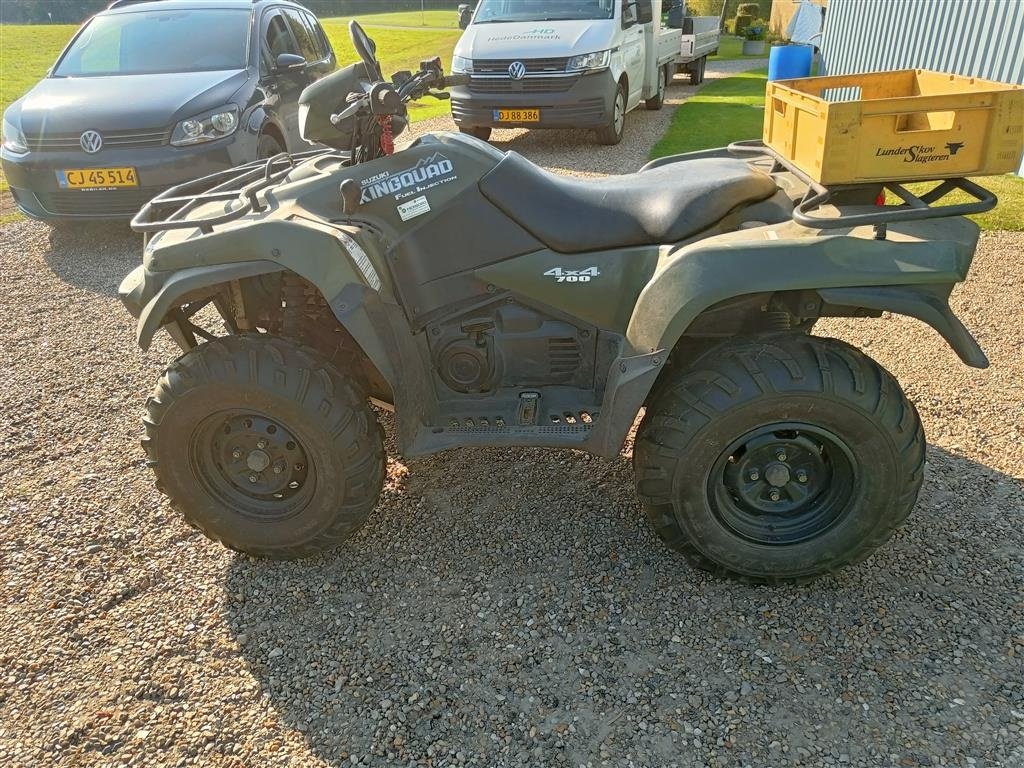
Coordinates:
(913, 207)
(237, 188)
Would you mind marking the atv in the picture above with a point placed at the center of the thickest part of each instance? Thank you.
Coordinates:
(489, 302)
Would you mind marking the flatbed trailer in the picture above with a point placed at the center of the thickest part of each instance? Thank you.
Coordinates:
(700, 37)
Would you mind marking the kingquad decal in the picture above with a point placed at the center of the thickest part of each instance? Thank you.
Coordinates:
(573, 275)
(428, 173)
(921, 153)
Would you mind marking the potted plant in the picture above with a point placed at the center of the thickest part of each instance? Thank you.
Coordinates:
(754, 34)
(746, 13)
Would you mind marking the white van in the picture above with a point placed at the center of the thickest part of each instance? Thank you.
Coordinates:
(561, 64)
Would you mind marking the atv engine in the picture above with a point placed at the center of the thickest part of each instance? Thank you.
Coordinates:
(507, 344)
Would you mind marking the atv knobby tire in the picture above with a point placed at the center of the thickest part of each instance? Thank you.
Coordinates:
(277, 414)
(867, 446)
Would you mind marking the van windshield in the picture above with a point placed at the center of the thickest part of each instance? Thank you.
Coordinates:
(499, 11)
(150, 42)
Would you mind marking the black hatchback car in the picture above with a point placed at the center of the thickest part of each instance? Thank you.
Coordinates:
(150, 94)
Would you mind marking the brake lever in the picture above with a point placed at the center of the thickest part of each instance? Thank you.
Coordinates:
(441, 95)
(350, 110)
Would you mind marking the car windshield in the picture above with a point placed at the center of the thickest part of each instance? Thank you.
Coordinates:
(498, 11)
(150, 42)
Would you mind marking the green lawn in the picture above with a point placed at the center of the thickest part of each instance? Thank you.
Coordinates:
(730, 47)
(448, 19)
(1008, 215)
(723, 111)
(733, 109)
(399, 49)
(26, 52)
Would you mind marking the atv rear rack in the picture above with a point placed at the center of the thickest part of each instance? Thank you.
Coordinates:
(238, 188)
(913, 207)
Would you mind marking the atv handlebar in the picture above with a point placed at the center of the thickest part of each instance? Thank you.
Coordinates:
(379, 96)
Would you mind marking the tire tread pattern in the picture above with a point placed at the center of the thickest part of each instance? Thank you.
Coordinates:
(294, 367)
(683, 406)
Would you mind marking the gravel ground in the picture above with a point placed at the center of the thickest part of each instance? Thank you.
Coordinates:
(502, 607)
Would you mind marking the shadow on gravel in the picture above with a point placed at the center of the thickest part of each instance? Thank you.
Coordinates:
(512, 607)
(93, 256)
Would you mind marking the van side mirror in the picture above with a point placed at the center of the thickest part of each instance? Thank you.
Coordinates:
(287, 61)
(629, 15)
(465, 15)
(644, 11)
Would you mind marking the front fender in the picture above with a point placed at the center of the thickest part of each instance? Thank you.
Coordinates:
(787, 257)
(178, 262)
(328, 256)
(149, 296)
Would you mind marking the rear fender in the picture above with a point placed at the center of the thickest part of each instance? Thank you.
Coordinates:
(928, 303)
(911, 273)
(770, 259)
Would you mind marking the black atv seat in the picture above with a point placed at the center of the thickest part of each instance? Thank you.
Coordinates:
(661, 205)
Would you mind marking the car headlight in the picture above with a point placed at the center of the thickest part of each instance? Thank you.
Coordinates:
(208, 126)
(588, 61)
(461, 64)
(13, 139)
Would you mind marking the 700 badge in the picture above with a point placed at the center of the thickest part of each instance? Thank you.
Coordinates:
(573, 275)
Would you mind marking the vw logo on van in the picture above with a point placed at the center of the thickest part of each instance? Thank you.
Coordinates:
(517, 70)
(91, 142)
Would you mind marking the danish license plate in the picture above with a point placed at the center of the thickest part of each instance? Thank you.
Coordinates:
(97, 178)
(517, 115)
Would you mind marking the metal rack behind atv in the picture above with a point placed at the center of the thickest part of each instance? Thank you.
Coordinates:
(913, 208)
(240, 185)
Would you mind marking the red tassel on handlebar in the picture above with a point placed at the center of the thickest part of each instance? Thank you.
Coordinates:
(387, 138)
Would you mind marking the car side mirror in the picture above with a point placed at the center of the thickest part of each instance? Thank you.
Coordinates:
(287, 61)
(465, 15)
(644, 11)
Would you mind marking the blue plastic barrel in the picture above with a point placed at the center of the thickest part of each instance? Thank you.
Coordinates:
(786, 62)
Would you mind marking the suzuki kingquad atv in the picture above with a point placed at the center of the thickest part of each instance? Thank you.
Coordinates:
(492, 303)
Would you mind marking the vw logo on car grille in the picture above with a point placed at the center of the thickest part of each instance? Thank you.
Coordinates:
(517, 70)
(91, 142)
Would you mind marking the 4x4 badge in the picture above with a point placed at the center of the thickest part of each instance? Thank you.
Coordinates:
(573, 275)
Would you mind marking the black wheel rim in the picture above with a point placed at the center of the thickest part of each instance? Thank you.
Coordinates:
(782, 484)
(253, 464)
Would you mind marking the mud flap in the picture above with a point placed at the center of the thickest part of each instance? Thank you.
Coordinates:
(929, 304)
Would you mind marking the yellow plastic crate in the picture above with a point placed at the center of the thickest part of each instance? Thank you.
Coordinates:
(895, 126)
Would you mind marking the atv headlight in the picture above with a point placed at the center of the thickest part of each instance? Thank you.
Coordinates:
(13, 139)
(462, 64)
(208, 126)
(589, 61)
